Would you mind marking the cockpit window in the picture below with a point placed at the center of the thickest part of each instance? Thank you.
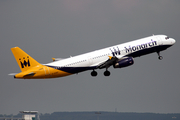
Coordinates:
(166, 37)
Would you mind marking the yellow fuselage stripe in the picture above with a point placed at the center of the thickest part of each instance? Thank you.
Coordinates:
(41, 71)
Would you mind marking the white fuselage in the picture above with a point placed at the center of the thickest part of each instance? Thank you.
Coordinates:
(155, 43)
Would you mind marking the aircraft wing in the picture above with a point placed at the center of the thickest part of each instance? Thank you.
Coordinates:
(112, 61)
(108, 63)
(57, 59)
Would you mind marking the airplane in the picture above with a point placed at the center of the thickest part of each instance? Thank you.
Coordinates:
(118, 56)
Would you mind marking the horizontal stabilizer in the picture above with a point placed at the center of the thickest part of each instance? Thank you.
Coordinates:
(29, 74)
(12, 73)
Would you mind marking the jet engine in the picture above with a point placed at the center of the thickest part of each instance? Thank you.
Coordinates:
(124, 62)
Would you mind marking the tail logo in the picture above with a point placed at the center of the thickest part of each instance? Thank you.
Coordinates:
(25, 63)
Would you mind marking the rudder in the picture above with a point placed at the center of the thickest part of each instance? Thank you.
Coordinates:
(24, 60)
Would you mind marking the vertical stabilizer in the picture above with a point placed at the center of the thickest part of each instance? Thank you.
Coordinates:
(24, 61)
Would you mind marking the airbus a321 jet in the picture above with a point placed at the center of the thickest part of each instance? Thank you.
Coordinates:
(118, 56)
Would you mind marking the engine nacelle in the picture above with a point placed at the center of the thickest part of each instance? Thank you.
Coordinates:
(124, 62)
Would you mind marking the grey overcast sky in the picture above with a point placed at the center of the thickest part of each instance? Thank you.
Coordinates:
(63, 28)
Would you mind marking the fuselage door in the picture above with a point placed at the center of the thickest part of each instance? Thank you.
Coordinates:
(90, 60)
(47, 71)
(160, 42)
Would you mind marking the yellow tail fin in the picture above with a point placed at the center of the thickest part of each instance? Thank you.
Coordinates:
(24, 61)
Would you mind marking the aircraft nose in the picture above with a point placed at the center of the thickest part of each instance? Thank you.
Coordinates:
(173, 41)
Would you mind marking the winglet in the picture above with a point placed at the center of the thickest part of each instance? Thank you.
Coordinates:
(110, 57)
(54, 59)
